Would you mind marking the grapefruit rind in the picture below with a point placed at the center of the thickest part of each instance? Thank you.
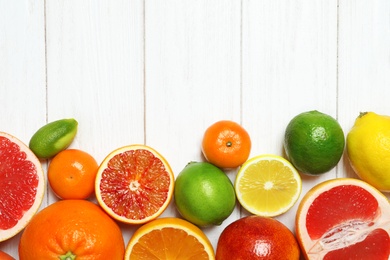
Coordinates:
(318, 248)
(287, 199)
(109, 210)
(40, 190)
(170, 222)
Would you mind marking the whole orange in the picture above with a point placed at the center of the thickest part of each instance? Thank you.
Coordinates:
(256, 237)
(72, 229)
(72, 173)
(226, 144)
(5, 256)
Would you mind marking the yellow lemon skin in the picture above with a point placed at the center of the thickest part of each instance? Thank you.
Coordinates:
(368, 148)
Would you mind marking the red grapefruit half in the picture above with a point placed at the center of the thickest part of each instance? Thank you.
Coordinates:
(21, 185)
(134, 184)
(344, 219)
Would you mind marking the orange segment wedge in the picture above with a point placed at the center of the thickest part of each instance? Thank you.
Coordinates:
(134, 184)
(169, 238)
(267, 185)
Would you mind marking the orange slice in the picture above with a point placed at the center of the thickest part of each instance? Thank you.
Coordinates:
(344, 219)
(169, 238)
(134, 184)
(22, 185)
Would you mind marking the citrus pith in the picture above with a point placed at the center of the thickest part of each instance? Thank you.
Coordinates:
(344, 219)
(134, 184)
(22, 185)
(169, 238)
(267, 185)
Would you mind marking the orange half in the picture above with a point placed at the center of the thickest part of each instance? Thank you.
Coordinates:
(134, 184)
(169, 238)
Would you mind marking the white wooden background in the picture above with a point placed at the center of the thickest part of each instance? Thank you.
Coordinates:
(160, 72)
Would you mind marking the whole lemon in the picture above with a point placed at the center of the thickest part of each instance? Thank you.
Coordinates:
(204, 195)
(368, 149)
(314, 142)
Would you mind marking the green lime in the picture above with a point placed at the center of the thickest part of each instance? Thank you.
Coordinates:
(314, 142)
(53, 137)
(204, 195)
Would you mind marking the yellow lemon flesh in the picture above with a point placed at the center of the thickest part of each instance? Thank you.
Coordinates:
(268, 185)
(368, 148)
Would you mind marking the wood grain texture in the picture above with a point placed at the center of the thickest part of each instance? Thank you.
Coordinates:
(160, 72)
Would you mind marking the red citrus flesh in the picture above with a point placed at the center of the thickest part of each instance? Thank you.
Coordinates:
(21, 185)
(344, 219)
(135, 185)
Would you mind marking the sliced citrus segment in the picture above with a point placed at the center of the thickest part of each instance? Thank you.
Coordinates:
(169, 238)
(22, 185)
(267, 185)
(344, 219)
(134, 184)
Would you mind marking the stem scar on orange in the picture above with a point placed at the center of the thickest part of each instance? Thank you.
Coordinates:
(72, 174)
(226, 144)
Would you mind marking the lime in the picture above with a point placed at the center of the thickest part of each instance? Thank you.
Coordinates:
(53, 137)
(204, 195)
(314, 142)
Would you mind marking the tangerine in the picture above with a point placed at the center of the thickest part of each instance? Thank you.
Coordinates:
(72, 229)
(72, 173)
(226, 144)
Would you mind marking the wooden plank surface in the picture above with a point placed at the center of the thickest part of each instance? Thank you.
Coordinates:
(160, 72)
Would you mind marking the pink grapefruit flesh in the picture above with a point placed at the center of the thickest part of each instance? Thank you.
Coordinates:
(21, 185)
(344, 219)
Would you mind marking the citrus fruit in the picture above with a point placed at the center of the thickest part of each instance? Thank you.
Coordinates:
(344, 219)
(134, 184)
(72, 229)
(5, 256)
(169, 238)
(72, 174)
(368, 149)
(267, 185)
(22, 185)
(204, 195)
(226, 144)
(53, 137)
(314, 142)
(256, 237)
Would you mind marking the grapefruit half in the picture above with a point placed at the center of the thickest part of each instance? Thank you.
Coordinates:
(21, 185)
(134, 184)
(344, 219)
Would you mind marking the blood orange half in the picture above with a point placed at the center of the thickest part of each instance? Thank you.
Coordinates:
(134, 184)
(21, 185)
(344, 219)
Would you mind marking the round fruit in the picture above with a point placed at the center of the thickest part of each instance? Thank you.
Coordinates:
(72, 229)
(53, 137)
(344, 219)
(72, 174)
(368, 148)
(134, 184)
(5, 256)
(226, 144)
(314, 142)
(256, 237)
(170, 238)
(267, 185)
(22, 185)
(204, 194)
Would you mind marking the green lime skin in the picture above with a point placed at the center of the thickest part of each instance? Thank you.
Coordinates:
(314, 142)
(204, 195)
(53, 137)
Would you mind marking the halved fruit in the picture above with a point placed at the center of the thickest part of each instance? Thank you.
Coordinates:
(169, 238)
(267, 185)
(22, 185)
(134, 184)
(344, 219)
